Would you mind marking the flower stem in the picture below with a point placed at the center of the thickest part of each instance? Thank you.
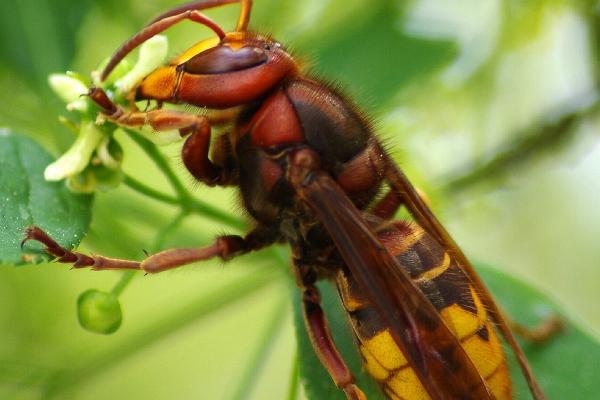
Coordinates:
(152, 152)
(126, 278)
(139, 187)
(184, 198)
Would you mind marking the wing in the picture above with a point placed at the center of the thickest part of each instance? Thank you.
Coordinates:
(425, 218)
(431, 348)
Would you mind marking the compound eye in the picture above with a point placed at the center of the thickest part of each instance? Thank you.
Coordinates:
(223, 59)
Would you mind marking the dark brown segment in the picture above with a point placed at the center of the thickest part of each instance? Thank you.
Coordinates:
(194, 154)
(422, 256)
(331, 126)
(367, 322)
(484, 333)
(222, 59)
(454, 288)
(425, 254)
(359, 174)
(387, 206)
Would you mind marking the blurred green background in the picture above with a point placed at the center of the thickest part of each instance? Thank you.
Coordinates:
(489, 106)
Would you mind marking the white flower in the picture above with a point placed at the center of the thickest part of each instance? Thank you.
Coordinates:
(78, 156)
(70, 90)
(153, 54)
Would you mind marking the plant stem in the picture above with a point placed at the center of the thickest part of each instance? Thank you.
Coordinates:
(126, 278)
(139, 187)
(521, 150)
(206, 210)
(184, 198)
(152, 152)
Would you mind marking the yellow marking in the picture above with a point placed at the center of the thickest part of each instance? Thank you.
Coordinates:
(435, 272)
(486, 355)
(372, 366)
(397, 244)
(462, 322)
(382, 356)
(392, 395)
(160, 84)
(383, 348)
(499, 383)
(405, 384)
(197, 48)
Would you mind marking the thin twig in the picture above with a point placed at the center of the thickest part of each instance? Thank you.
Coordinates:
(510, 156)
(162, 164)
(139, 187)
(184, 198)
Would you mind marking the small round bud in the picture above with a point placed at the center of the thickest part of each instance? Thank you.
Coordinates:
(99, 312)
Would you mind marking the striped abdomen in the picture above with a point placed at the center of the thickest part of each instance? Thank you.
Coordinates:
(438, 276)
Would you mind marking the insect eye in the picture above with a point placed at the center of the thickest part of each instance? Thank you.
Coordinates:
(223, 59)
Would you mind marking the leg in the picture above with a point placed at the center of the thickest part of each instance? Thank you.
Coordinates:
(387, 206)
(320, 336)
(545, 330)
(225, 247)
(196, 148)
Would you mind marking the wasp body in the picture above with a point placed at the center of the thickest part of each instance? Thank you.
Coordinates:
(312, 174)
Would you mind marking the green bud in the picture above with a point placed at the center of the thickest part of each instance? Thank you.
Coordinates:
(99, 312)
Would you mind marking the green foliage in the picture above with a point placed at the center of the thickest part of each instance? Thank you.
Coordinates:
(99, 312)
(27, 199)
(566, 364)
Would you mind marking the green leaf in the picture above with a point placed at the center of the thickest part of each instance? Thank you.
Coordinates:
(566, 365)
(27, 199)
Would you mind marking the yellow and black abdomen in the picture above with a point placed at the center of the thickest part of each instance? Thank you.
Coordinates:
(438, 276)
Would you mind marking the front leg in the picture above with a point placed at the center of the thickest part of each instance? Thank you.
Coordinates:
(196, 148)
(224, 247)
